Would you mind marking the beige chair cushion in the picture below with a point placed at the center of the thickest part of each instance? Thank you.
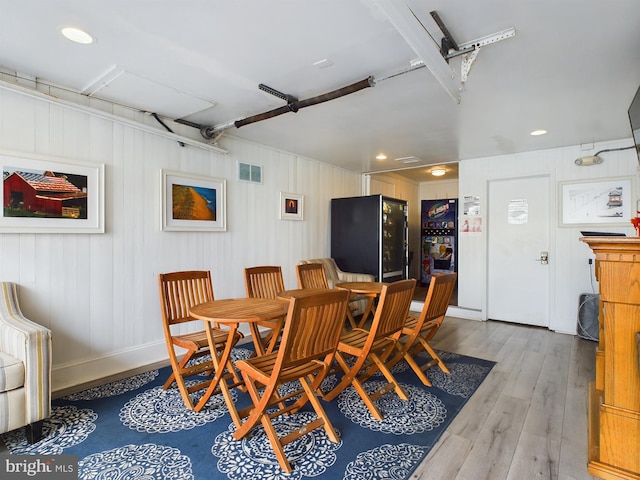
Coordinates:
(330, 268)
(11, 373)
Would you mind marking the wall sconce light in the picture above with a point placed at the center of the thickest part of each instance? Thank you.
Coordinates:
(597, 159)
(588, 161)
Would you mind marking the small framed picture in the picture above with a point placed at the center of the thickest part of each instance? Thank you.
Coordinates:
(291, 206)
(192, 203)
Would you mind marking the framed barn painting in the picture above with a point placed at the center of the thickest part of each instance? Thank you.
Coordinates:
(193, 203)
(291, 206)
(50, 195)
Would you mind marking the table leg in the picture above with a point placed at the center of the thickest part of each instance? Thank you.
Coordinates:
(222, 362)
(369, 310)
(257, 339)
(351, 319)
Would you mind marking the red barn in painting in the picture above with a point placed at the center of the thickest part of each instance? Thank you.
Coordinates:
(44, 194)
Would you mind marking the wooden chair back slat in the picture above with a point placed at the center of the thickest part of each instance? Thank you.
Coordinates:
(393, 308)
(266, 282)
(180, 291)
(263, 281)
(315, 326)
(311, 275)
(438, 297)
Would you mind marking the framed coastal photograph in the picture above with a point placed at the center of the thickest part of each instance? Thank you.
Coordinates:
(193, 202)
(601, 202)
(42, 194)
(291, 206)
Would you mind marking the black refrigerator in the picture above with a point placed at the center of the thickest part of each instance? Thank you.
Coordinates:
(369, 235)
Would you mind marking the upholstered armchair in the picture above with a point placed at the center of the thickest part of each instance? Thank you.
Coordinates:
(25, 368)
(335, 275)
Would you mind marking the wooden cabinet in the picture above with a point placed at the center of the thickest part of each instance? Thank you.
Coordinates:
(614, 397)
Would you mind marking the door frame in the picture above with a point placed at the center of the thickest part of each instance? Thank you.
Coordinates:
(552, 219)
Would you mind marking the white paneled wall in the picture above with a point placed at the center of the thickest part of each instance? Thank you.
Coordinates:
(98, 293)
(570, 271)
(439, 189)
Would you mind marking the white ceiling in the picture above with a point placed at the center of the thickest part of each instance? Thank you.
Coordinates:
(572, 68)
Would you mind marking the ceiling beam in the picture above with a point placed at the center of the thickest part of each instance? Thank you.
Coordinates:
(416, 35)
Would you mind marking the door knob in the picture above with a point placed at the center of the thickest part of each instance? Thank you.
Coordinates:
(544, 258)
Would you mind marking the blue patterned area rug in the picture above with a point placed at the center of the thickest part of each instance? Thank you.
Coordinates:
(132, 429)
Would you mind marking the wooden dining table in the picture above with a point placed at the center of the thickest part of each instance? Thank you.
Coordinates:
(286, 295)
(371, 290)
(232, 312)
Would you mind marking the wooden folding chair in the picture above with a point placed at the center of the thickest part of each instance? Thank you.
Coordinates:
(312, 275)
(370, 349)
(307, 348)
(178, 292)
(417, 332)
(266, 282)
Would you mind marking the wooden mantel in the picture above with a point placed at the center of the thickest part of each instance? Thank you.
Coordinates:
(614, 398)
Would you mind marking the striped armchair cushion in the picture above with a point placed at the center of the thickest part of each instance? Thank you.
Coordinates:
(11, 373)
(24, 341)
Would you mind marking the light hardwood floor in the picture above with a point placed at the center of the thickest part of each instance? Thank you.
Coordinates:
(528, 419)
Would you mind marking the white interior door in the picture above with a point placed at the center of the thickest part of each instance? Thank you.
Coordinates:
(518, 234)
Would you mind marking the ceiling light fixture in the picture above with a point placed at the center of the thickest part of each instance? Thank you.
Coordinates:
(381, 156)
(324, 63)
(438, 172)
(596, 159)
(76, 35)
(537, 133)
(416, 35)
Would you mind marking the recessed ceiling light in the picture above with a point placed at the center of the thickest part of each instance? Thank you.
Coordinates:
(537, 133)
(438, 172)
(324, 63)
(381, 156)
(76, 35)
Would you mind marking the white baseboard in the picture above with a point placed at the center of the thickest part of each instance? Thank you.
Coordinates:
(452, 311)
(465, 313)
(71, 374)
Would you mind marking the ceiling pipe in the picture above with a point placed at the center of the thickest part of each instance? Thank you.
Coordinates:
(213, 132)
(296, 105)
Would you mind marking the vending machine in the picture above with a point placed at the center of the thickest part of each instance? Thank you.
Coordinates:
(439, 237)
(370, 235)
